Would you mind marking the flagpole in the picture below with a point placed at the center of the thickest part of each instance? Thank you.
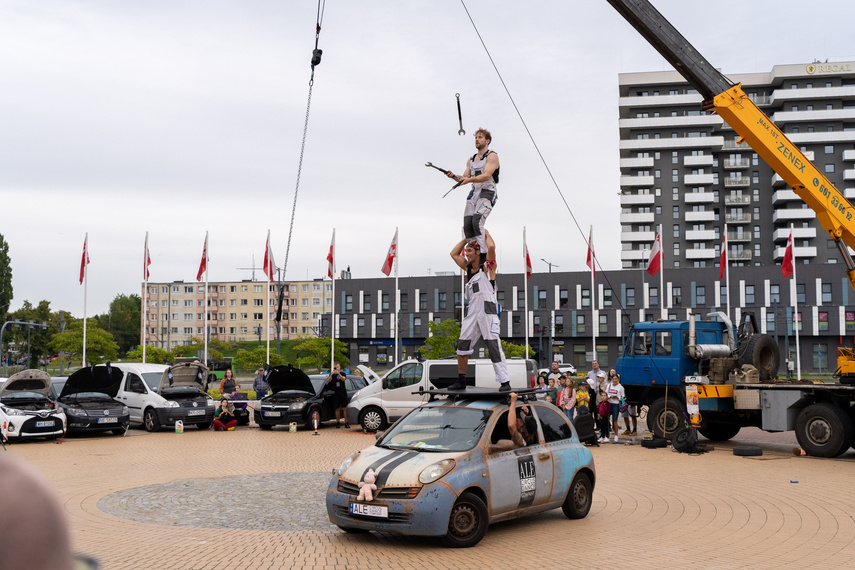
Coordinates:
(662, 312)
(795, 294)
(397, 294)
(332, 314)
(269, 280)
(85, 285)
(594, 323)
(525, 289)
(205, 361)
(727, 270)
(145, 295)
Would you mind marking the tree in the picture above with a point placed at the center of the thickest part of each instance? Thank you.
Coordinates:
(39, 338)
(512, 350)
(255, 359)
(100, 346)
(153, 354)
(123, 321)
(5, 278)
(315, 353)
(442, 339)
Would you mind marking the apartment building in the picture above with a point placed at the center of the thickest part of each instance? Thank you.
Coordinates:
(685, 168)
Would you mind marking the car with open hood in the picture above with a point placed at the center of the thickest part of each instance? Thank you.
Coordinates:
(88, 399)
(26, 408)
(449, 469)
(298, 397)
(159, 395)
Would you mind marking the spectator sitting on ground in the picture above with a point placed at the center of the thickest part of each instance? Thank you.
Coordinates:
(224, 416)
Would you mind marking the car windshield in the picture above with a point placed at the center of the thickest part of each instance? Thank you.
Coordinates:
(438, 428)
(152, 379)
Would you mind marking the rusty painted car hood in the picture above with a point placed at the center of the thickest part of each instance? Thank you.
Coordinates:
(395, 467)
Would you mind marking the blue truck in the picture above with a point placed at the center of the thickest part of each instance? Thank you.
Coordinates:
(731, 376)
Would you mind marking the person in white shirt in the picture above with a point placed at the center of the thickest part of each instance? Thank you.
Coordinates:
(616, 395)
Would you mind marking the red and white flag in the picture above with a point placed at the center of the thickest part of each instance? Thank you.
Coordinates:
(146, 259)
(84, 261)
(592, 256)
(269, 265)
(526, 259)
(203, 266)
(654, 264)
(331, 257)
(391, 255)
(723, 262)
(787, 264)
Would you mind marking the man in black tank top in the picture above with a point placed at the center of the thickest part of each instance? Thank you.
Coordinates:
(482, 171)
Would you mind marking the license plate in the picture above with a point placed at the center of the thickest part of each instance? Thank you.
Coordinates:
(376, 511)
(272, 414)
(195, 412)
(45, 424)
(108, 420)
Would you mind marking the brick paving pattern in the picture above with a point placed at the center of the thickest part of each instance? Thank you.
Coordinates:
(154, 501)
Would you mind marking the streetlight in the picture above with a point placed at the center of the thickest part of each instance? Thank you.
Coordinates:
(549, 264)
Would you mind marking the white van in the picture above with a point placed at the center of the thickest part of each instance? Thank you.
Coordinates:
(157, 395)
(383, 402)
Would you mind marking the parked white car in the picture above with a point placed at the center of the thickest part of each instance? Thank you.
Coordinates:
(26, 409)
(157, 395)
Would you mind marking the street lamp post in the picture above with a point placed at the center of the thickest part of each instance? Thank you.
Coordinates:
(549, 264)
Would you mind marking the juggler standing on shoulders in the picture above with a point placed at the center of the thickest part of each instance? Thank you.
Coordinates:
(482, 171)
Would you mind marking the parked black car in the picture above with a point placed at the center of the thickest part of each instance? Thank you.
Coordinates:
(87, 398)
(297, 397)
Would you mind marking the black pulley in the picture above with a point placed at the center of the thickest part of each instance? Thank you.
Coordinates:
(316, 56)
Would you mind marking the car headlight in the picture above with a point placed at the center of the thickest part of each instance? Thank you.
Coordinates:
(13, 412)
(210, 402)
(346, 463)
(433, 472)
(297, 406)
(170, 404)
(72, 411)
(125, 411)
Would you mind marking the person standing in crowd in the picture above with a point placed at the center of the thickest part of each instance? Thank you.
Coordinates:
(602, 396)
(583, 397)
(616, 397)
(229, 385)
(552, 393)
(593, 381)
(224, 416)
(630, 413)
(260, 384)
(338, 388)
(568, 398)
(555, 373)
(541, 384)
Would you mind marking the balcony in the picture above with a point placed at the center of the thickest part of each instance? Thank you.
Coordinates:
(849, 193)
(783, 234)
(700, 216)
(731, 200)
(631, 236)
(739, 255)
(798, 252)
(849, 174)
(778, 181)
(736, 163)
(738, 218)
(737, 182)
(698, 179)
(783, 196)
(636, 181)
(737, 237)
(700, 253)
(630, 218)
(702, 160)
(791, 215)
(636, 162)
(783, 94)
(634, 255)
(637, 199)
(669, 143)
(700, 235)
(849, 155)
(699, 198)
(731, 145)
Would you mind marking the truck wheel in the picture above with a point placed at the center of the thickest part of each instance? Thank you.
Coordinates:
(372, 419)
(719, 432)
(824, 430)
(665, 426)
(761, 351)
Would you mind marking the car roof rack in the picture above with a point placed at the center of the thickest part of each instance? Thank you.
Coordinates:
(478, 393)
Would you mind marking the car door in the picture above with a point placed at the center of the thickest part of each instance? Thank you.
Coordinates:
(398, 388)
(566, 454)
(133, 394)
(520, 478)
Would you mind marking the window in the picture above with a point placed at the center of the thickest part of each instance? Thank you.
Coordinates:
(829, 168)
(442, 301)
(675, 175)
(305, 288)
(360, 326)
(580, 323)
(563, 299)
(417, 325)
(701, 295)
(541, 299)
(630, 296)
(604, 323)
(676, 232)
(258, 316)
(676, 212)
(829, 149)
(384, 302)
(258, 302)
(554, 427)
(423, 301)
(586, 297)
(774, 293)
(348, 303)
(826, 292)
(305, 316)
(366, 302)
(304, 302)
(405, 302)
(820, 357)
(800, 293)
(823, 321)
(559, 324)
(723, 295)
(654, 296)
(607, 297)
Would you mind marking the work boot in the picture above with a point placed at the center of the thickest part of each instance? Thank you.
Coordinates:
(459, 385)
(505, 387)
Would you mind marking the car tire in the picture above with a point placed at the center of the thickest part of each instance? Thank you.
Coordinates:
(265, 426)
(309, 421)
(747, 451)
(150, 421)
(467, 522)
(372, 419)
(205, 425)
(577, 504)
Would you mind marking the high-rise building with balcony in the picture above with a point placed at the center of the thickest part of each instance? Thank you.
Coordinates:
(687, 170)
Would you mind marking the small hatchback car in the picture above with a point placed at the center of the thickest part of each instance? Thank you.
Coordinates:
(87, 398)
(448, 469)
(26, 409)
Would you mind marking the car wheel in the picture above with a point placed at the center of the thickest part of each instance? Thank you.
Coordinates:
(467, 523)
(351, 530)
(265, 426)
(372, 419)
(150, 421)
(205, 425)
(578, 501)
(310, 418)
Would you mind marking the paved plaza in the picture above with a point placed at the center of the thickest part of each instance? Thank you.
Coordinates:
(254, 499)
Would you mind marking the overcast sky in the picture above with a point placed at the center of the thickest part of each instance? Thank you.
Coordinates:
(181, 117)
